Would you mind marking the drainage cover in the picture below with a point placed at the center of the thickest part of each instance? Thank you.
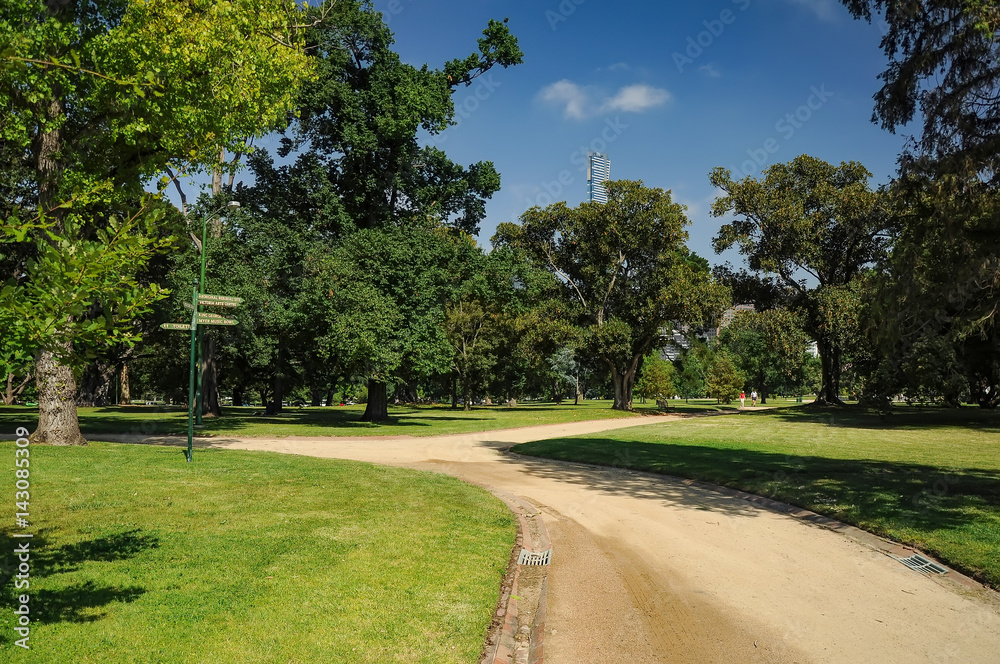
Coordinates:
(921, 564)
(532, 558)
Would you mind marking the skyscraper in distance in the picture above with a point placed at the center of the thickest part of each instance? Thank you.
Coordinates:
(598, 172)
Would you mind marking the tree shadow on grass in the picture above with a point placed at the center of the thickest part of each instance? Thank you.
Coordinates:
(900, 418)
(885, 497)
(75, 602)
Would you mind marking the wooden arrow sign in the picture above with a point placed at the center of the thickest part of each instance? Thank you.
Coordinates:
(204, 319)
(220, 300)
(176, 326)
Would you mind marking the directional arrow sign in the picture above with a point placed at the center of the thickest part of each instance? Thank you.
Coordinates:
(215, 320)
(220, 300)
(176, 326)
(210, 316)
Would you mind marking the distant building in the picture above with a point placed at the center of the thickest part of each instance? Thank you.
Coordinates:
(730, 313)
(598, 172)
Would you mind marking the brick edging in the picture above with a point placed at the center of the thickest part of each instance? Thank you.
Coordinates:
(502, 646)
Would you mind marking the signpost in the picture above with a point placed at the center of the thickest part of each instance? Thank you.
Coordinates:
(200, 318)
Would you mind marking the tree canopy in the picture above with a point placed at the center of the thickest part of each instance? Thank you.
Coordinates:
(99, 98)
(815, 227)
(625, 271)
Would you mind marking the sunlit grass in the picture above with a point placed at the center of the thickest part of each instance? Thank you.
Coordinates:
(251, 558)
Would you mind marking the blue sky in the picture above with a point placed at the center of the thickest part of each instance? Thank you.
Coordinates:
(668, 90)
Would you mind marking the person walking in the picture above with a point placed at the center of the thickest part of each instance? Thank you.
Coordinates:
(743, 399)
(753, 398)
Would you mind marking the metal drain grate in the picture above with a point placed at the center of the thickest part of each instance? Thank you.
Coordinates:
(532, 558)
(921, 564)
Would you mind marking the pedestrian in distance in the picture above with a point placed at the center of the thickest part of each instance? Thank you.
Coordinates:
(753, 398)
(743, 399)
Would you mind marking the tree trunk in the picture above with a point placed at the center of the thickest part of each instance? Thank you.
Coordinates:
(624, 382)
(329, 397)
(209, 378)
(275, 406)
(96, 385)
(237, 396)
(454, 391)
(12, 393)
(57, 420)
(377, 408)
(576, 402)
(317, 398)
(125, 398)
(829, 393)
(467, 394)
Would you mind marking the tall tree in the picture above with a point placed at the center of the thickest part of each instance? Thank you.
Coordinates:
(99, 98)
(944, 73)
(356, 135)
(626, 270)
(815, 227)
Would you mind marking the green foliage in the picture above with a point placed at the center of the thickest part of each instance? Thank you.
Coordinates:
(816, 228)
(657, 378)
(381, 296)
(100, 98)
(361, 117)
(81, 292)
(935, 312)
(767, 347)
(724, 381)
(625, 270)
(691, 381)
(944, 68)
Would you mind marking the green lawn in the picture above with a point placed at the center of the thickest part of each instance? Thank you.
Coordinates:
(333, 421)
(928, 478)
(250, 558)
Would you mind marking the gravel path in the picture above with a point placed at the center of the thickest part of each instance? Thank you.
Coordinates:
(653, 569)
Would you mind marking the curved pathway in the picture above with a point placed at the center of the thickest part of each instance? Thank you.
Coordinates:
(653, 569)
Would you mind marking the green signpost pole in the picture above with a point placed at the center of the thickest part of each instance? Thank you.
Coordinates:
(201, 291)
(191, 393)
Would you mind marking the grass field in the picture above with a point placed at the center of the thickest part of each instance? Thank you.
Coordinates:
(928, 478)
(250, 558)
(332, 421)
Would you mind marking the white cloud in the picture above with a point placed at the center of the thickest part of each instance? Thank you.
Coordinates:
(568, 94)
(580, 102)
(618, 66)
(825, 10)
(710, 70)
(636, 99)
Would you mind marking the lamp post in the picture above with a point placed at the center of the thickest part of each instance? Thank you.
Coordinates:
(201, 291)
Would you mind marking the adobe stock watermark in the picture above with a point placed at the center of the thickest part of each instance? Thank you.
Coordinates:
(554, 189)
(392, 9)
(696, 45)
(562, 12)
(472, 101)
(22, 551)
(786, 127)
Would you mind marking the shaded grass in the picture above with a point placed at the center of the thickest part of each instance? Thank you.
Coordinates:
(251, 558)
(927, 478)
(332, 421)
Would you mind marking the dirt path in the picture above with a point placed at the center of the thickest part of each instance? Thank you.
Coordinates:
(649, 569)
